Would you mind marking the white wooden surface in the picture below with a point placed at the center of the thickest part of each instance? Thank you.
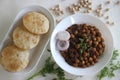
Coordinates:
(10, 8)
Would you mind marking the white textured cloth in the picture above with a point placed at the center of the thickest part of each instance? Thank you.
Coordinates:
(10, 8)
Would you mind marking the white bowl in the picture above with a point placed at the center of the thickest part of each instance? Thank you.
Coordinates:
(79, 19)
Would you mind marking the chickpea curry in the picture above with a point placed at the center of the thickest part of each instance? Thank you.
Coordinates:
(86, 46)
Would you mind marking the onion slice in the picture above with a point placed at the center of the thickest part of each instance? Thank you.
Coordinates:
(63, 35)
(62, 45)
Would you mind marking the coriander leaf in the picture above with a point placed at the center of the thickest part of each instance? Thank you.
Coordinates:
(81, 51)
(103, 73)
(108, 71)
(84, 46)
(60, 74)
(111, 74)
(49, 68)
(81, 40)
(115, 54)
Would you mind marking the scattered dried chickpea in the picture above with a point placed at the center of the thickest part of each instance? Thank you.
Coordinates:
(118, 2)
(57, 10)
(108, 2)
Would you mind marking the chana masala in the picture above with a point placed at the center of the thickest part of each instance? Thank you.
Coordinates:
(86, 46)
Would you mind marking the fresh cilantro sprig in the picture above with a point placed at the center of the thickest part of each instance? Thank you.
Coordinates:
(108, 71)
(82, 45)
(50, 68)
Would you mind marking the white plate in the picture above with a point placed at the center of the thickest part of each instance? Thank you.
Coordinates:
(79, 19)
(35, 53)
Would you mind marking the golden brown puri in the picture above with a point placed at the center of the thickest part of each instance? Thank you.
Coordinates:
(24, 39)
(14, 59)
(36, 23)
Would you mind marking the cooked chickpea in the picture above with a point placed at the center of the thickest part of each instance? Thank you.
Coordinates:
(71, 55)
(83, 62)
(75, 65)
(77, 60)
(100, 51)
(96, 43)
(88, 64)
(84, 66)
(84, 34)
(72, 36)
(94, 57)
(96, 60)
(87, 40)
(93, 49)
(85, 54)
(90, 42)
(76, 32)
(96, 53)
(77, 46)
(103, 45)
(100, 46)
(93, 32)
(83, 30)
(85, 59)
(94, 39)
(92, 62)
(98, 39)
(90, 59)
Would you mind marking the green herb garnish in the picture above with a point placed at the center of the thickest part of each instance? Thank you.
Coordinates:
(81, 51)
(49, 68)
(108, 71)
(81, 40)
(84, 46)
